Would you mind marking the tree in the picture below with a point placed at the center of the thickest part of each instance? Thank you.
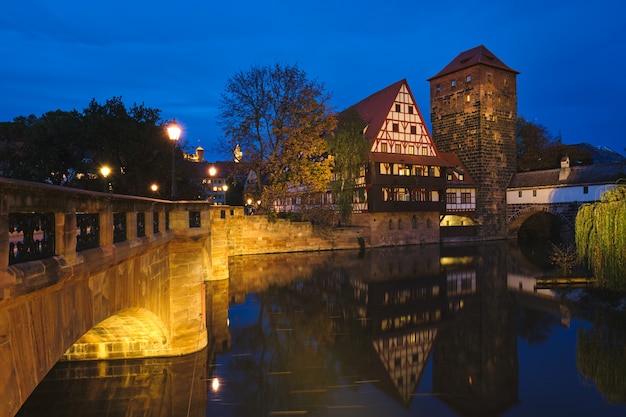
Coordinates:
(349, 148)
(601, 237)
(279, 119)
(538, 149)
(69, 148)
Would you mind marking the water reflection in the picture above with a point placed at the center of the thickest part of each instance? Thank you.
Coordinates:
(425, 330)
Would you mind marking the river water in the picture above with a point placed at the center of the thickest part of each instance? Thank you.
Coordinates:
(453, 330)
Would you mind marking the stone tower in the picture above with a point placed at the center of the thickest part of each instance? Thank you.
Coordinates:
(473, 104)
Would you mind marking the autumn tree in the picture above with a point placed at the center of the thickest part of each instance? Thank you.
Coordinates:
(279, 119)
(349, 148)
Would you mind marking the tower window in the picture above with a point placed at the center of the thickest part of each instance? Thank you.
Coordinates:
(488, 77)
(506, 81)
(438, 88)
(468, 98)
(519, 194)
(453, 83)
(468, 79)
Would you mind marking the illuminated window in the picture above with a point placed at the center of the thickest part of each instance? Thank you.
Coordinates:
(402, 194)
(383, 147)
(398, 148)
(468, 98)
(411, 149)
(424, 150)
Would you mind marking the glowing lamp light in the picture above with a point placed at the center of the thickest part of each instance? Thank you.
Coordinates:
(215, 384)
(173, 131)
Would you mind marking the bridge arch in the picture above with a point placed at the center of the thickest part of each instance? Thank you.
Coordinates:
(519, 217)
(130, 333)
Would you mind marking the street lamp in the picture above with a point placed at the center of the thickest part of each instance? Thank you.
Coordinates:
(105, 171)
(224, 189)
(212, 172)
(173, 132)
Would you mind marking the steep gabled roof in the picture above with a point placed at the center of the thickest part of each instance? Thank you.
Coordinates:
(471, 57)
(374, 109)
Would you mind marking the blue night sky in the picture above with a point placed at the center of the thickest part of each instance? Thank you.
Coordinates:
(177, 56)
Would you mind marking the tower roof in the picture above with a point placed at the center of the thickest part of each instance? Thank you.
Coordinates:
(471, 57)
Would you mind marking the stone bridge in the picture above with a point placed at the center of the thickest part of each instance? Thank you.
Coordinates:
(87, 275)
(517, 214)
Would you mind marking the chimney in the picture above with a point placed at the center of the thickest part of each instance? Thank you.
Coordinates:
(565, 170)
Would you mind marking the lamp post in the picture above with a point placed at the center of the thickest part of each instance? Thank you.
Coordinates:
(212, 172)
(224, 189)
(173, 132)
(105, 171)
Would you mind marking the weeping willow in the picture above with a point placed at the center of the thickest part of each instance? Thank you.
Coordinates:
(600, 358)
(601, 238)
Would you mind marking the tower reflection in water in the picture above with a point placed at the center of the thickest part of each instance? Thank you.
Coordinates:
(400, 331)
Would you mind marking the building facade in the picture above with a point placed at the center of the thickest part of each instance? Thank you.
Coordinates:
(404, 171)
(473, 114)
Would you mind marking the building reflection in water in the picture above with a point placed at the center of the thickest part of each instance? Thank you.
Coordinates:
(411, 303)
(336, 331)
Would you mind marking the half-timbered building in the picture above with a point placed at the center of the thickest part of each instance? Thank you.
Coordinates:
(404, 180)
(405, 172)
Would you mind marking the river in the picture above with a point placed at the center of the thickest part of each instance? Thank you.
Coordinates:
(452, 330)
